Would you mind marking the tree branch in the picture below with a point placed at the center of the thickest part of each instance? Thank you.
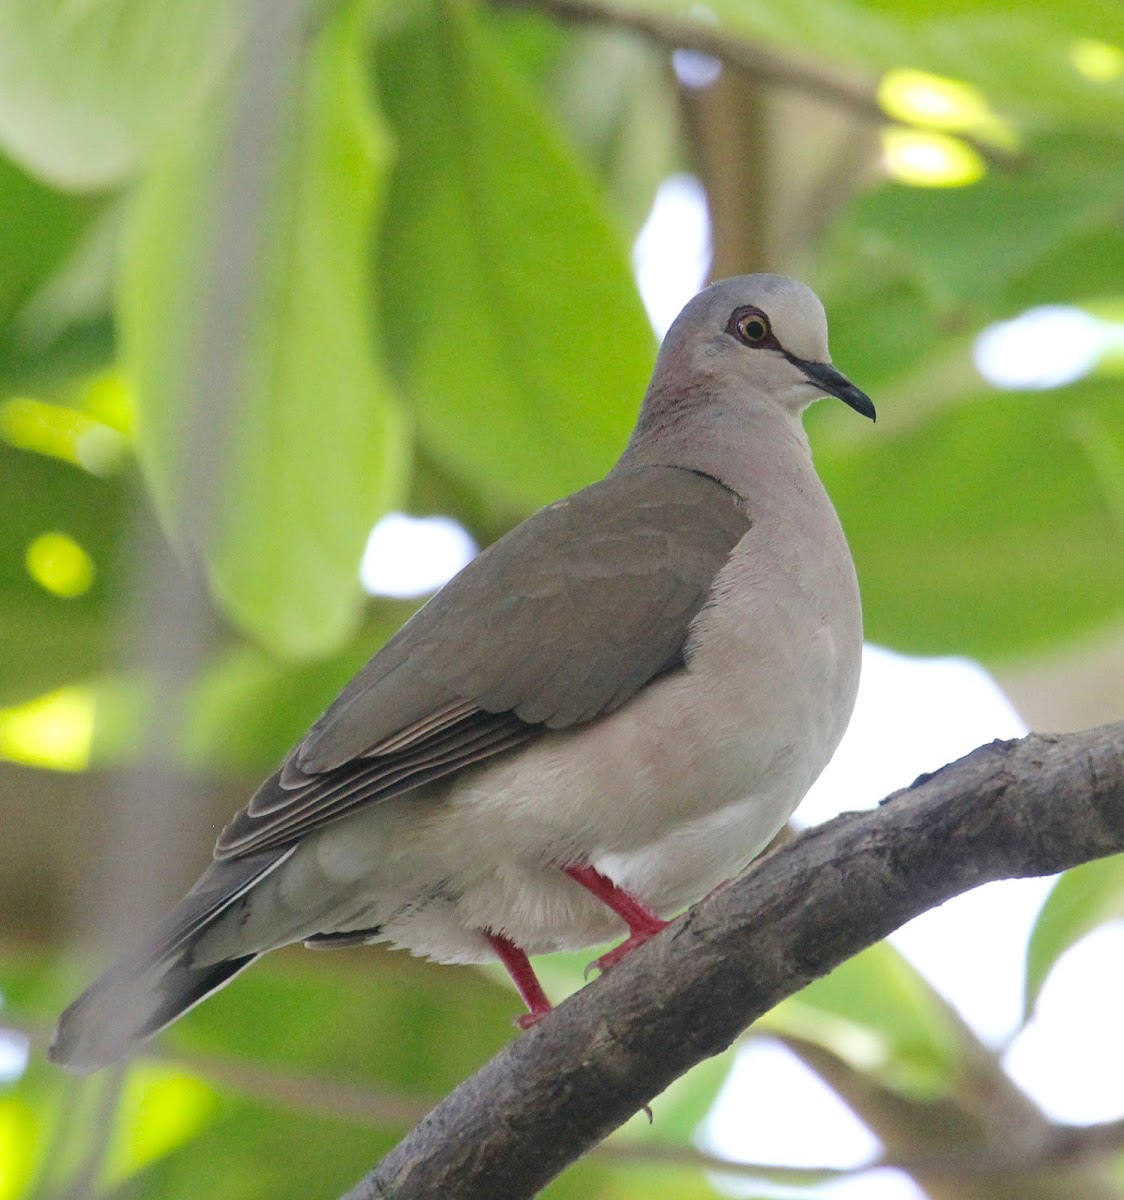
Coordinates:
(674, 33)
(1008, 810)
(832, 86)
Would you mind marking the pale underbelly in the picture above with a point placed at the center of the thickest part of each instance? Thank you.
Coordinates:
(668, 798)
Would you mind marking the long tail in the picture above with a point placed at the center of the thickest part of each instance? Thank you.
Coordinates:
(157, 983)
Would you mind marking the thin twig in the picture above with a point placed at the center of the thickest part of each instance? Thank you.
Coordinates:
(767, 66)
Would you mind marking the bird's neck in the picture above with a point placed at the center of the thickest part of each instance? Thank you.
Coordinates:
(745, 443)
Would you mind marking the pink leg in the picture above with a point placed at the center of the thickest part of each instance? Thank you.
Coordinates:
(641, 921)
(519, 967)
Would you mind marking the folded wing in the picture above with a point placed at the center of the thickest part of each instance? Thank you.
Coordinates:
(561, 621)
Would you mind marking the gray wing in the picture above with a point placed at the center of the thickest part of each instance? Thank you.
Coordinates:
(561, 621)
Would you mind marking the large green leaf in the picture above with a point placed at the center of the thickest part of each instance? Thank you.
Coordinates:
(643, 1181)
(511, 316)
(1079, 901)
(883, 325)
(581, 1181)
(86, 89)
(1075, 271)
(40, 228)
(77, 345)
(312, 449)
(964, 244)
(609, 91)
(48, 639)
(249, 707)
(47, 331)
(878, 1013)
(369, 1015)
(992, 528)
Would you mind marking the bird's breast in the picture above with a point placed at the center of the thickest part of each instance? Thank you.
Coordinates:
(778, 646)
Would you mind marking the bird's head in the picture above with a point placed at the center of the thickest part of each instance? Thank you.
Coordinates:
(764, 333)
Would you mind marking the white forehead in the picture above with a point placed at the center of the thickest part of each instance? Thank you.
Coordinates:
(794, 311)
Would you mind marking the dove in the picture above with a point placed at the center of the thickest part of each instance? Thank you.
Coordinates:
(606, 714)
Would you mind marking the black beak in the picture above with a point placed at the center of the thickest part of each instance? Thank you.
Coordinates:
(833, 383)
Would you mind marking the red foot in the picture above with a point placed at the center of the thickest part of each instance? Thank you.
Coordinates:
(641, 921)
(523, 975)
(615, 955)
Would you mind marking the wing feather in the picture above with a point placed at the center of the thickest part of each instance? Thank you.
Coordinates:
(561, 621)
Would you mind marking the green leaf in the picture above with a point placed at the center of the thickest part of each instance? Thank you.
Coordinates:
(883, 326)
(992, 529)
(248, 708)
(312, 452)
(34, 358)
(367, 1017)
(160, 1109)
(1079, 901)
(86, 89)
(643, 1181)
(20, 1151)
(46, 639)
(580, 1181)
(609, 91)
(40, 228)
(877, 1012)
(48, 331)
(964, 244)
(33, 1110)
(511, 316)
(681, 1108)
(1076, 271)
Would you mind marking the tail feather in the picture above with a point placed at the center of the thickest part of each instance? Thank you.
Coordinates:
(128, 1005)
(150, 988)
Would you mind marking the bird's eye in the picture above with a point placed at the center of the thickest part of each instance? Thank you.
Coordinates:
(753, 328)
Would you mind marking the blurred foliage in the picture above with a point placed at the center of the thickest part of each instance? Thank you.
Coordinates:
(431, 309)
(303, 332)
(1079, 901)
